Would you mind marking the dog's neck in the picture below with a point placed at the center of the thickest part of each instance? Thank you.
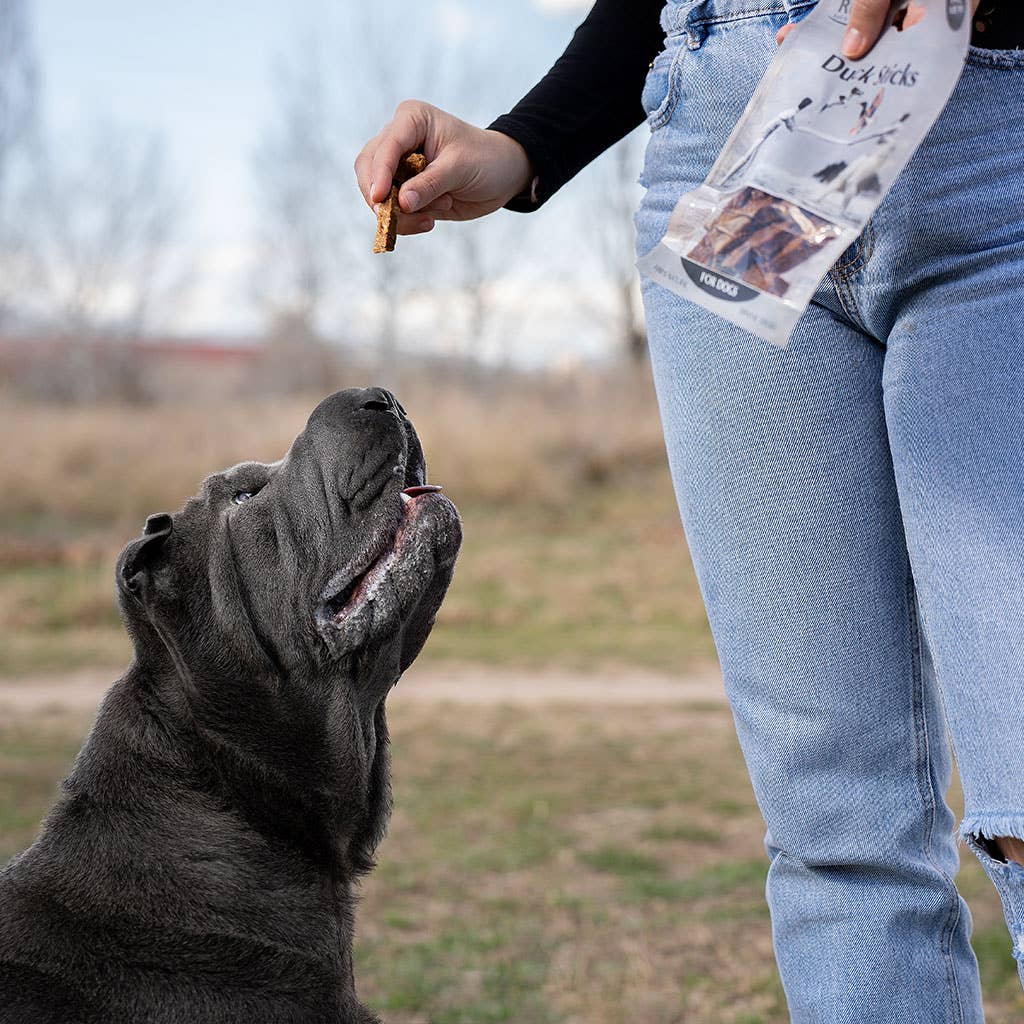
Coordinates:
(303, 758)
(310, 774)
(313, 821)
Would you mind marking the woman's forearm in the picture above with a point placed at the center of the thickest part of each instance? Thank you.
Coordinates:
(590, 98)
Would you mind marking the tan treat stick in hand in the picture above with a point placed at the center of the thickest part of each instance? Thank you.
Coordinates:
(387, 213)
(387, 223)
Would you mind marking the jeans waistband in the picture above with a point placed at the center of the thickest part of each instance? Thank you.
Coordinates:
(998, 25)
(681, 15)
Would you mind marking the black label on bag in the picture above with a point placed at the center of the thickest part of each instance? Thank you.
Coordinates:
(717, 284)
(956, 11)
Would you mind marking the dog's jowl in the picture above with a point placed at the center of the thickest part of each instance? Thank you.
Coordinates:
(199, 863)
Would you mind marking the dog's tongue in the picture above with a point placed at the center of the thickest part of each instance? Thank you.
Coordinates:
(422, 489)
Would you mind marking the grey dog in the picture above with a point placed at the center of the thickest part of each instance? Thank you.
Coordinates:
(198, 867)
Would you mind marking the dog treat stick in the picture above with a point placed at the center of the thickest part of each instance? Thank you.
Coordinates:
(387, 223)
(387, 213)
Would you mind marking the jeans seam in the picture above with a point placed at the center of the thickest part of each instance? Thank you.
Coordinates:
(868, 249)
(841, 264)
(845, 295)
(858, 248)
(1006, 60)
(842, 273)
(758, 12)
(863, 250)
(928, 796)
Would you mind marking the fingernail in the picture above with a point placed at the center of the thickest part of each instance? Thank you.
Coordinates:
(853, 42)
(412, 199)
(376, 207)
(371, 188)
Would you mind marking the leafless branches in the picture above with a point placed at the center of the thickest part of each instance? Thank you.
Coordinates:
(85, 228)
(298, 176)
(609, 230)
(107, 225)
(19, 92)
(19, 88)
(316, 231)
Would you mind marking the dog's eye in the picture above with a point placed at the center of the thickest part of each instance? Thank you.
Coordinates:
(240, 497)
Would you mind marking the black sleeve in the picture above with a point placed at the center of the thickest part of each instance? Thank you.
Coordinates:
(591, 97)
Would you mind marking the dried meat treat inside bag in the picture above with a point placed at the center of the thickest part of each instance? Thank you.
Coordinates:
(758, 238)
(816, 151)
(387, 212)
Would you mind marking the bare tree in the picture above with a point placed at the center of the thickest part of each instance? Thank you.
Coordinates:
(611, 228)
(315, 241)
(19, 93)
(109, 216)
(476, 260)
(298, 180)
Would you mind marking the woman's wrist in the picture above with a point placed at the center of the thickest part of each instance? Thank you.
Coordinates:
(522, 175)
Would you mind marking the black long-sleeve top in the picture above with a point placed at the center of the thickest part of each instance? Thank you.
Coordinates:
(591, 97)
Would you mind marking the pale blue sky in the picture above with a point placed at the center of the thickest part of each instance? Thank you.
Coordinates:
(201, 75)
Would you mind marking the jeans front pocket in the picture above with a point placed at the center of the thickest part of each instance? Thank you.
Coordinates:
(661, 88)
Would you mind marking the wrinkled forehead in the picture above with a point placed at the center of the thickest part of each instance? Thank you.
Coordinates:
(246, 476)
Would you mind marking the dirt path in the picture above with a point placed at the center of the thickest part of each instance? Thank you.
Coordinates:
(80, 692)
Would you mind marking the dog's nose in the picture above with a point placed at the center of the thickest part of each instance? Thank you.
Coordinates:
(336, 411)
(382, 401)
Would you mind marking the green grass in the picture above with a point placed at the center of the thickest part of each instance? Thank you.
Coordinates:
(680, 830)
(550, 866)
(34, 756)
(625, 863)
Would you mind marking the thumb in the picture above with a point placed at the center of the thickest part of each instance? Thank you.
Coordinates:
(867, 19)
(445, 174)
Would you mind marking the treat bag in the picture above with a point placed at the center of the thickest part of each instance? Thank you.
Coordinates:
(820, 144)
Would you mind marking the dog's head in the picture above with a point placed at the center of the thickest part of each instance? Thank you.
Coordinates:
(338, 553)
(284, 600)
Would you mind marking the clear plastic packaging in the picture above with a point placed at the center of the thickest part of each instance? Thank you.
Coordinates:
(818, 148)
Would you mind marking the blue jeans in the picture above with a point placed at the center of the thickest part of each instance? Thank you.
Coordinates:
(854, 505)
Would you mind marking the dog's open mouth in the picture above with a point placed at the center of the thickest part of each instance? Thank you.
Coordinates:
(338, 604)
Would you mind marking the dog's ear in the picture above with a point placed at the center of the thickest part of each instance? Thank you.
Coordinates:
(139, 558)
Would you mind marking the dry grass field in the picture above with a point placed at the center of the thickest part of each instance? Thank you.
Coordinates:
(573, 552)
(571, 863)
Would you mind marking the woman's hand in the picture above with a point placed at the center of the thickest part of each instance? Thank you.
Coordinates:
(867, 19)
(470, 172)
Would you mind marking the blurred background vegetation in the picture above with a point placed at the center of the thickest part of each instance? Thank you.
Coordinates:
(573, 554)
(568, 863)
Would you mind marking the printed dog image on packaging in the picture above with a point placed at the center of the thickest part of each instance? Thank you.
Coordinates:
(818, 148)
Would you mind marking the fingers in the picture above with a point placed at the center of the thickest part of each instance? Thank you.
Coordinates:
(406, 132)
(442, 204)
(784, 31)
(418, 225)
(445, 174)
(867, 19)
(363, 164)
(363, 168)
